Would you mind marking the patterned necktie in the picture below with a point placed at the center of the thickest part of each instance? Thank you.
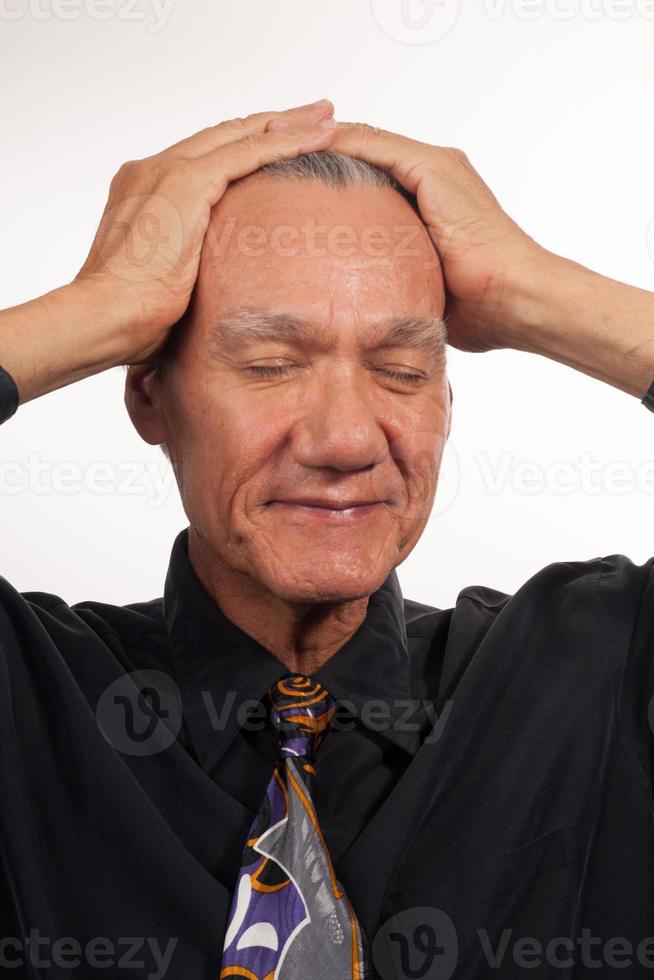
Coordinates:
(290, 918)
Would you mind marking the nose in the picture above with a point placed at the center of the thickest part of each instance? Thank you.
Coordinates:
(339, 427)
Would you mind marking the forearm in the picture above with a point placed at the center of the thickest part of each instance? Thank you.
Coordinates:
(592, 323)
(61, 337)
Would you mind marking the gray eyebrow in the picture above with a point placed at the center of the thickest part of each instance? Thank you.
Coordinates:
(240, 326)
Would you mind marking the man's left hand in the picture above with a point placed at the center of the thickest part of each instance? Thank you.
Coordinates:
(502, 288)
(486, 257)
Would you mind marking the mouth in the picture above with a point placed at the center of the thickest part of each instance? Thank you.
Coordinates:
(314, 508)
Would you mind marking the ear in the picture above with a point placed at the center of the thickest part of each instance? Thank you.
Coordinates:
(143, 402)
(449, 424)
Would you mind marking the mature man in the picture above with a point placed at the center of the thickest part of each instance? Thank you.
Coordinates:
(411, 792)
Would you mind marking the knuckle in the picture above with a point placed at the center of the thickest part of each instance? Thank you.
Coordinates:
(161, 171)
(366, 131)
(251, 142)
(126, 169)
(457, 154)
(238, 122)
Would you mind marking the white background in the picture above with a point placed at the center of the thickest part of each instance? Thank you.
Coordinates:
(551, 100)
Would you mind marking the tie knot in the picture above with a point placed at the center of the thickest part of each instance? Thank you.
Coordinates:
(302, 710)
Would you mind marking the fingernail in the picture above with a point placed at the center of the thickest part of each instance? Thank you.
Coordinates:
(328, 123)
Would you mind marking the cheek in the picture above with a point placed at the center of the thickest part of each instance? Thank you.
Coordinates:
(417, 436)
(232, 442)
(418, 457)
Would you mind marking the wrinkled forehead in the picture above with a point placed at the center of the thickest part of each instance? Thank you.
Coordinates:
(276, 241)
(236, 330)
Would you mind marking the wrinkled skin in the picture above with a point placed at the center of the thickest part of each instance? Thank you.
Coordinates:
(330, 424)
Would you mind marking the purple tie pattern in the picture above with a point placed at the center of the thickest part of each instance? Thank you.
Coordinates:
(290, 918)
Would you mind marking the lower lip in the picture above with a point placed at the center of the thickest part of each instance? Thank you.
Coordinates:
(327, 513)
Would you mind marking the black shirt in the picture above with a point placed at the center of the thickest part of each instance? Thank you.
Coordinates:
(506, 784)
(486, 793)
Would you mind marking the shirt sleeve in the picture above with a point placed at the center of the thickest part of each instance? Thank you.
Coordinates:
(626, 594)
(8, 395)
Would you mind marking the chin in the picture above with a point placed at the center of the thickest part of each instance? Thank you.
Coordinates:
(326, 582)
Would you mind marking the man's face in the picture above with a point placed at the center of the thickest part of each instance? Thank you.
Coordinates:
(305, 414)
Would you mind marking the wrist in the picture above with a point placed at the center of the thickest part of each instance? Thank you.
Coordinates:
(114, 322)
(597, 325)
(68, 334)
(537, 290)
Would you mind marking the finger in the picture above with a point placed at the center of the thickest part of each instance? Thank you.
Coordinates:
(234, 129)
(238, 159)
(399, 155)
(447, 188)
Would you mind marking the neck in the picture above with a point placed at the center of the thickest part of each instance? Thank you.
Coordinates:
(303, 636)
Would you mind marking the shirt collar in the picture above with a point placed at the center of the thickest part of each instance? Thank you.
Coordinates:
(220, 669)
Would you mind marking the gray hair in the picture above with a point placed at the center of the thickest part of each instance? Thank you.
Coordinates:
(322, 166)
(335, 170)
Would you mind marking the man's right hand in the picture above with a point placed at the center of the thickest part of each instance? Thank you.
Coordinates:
(148, 245)
(137, 280)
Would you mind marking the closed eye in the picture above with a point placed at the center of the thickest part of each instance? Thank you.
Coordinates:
(407, 378)
(404, 377)
(269, 370)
